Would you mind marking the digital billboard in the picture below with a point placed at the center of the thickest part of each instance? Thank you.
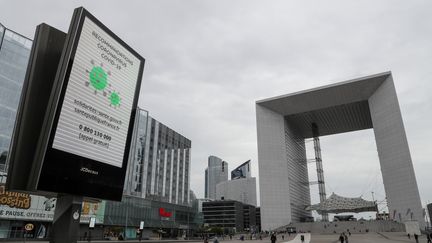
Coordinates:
(94, 117)
(242, 171)
(94, 103)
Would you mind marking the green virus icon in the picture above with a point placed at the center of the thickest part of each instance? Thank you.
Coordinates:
(99, 82)
(114, 99)
(98, 78)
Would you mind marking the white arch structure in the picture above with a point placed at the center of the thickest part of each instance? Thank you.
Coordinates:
(284, 122)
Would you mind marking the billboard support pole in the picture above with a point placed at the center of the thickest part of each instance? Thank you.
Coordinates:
(67, 214)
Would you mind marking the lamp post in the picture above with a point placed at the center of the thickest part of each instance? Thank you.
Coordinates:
(127, 212)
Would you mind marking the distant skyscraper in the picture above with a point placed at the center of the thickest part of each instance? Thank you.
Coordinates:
(241, 187)
(159, 165)
(216, 172)
(242, 171)
(14, 56)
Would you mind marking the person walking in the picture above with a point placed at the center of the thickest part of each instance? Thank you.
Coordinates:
(416, 237)
(273, 238)
(302, 238)
(341, 238)
(428, 236)
(345, 238)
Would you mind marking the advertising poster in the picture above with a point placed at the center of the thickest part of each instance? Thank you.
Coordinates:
(27, 207)
(23, 206)
(242, 171)
(98, 101)
(93, 210)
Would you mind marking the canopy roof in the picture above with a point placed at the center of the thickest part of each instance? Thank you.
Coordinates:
(338, 204)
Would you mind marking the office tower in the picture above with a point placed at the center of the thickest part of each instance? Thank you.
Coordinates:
(159, 166)
(216, 173)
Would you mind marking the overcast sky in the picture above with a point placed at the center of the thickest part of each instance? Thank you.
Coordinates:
(207, 62)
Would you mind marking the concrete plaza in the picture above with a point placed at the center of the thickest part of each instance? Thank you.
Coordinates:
(385, 237)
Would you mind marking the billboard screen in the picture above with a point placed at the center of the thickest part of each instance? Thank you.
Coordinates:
(94, 102)
(242, 171)
(97, 105)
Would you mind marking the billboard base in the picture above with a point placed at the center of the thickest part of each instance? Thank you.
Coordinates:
(66, 219)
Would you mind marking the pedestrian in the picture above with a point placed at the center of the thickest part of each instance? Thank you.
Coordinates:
(302, 238)
(273, 238)
(416, 237)
(206, 240)
(283, 237)
(346, 238)
(428, 238)
(341, 238)
(215, 240)
(409, 236)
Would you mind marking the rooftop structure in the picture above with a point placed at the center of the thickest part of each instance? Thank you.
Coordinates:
(338, 204)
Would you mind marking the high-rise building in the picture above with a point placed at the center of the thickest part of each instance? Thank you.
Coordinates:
(14, 56)
(241, 187)
(216, 173)
(159, 165)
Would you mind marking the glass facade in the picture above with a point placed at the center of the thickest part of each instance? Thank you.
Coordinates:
(131, 210)
(14, 56)
(134, 175)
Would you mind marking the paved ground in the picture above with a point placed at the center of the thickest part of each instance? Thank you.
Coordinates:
(355, 238)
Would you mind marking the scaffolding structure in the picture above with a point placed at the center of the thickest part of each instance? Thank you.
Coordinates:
(319, 168)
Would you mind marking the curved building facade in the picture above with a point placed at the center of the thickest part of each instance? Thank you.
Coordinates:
(216, 172)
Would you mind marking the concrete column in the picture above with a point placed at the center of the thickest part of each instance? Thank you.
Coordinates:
(273, 169)
(397, 169)
(67, 215)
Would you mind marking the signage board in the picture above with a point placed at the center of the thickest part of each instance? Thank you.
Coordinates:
(94, 104)
(93, 210)
(92, 222)
(141, 227)
(24, 206)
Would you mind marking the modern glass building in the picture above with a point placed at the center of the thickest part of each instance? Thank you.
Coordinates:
(14, 55)
(134, 175)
